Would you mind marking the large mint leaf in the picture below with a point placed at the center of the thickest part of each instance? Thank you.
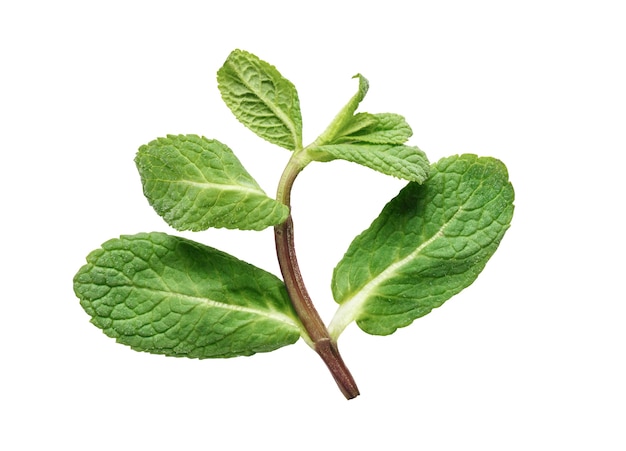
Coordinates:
(195, 183)
(428, 244)
(168, 295)
(261, 99)
(405, 162)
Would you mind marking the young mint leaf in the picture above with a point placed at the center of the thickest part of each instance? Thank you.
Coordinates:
(372, 140)
(381, 128)
(405, 162)
(428, 244)
(195, 183)
(357, 123)
(167, 295)
(261, 99)
(345, 119)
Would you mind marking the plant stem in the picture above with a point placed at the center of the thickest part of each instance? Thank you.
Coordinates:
(303, 305)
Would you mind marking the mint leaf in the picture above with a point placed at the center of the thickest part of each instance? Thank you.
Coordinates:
(261, 99)
(381, 128)
(345, 119)
(428, 244)
(168, 295)
(405, 162)
(195, 183)
(372, 140)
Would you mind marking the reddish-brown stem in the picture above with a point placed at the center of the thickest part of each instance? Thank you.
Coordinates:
(302, 303)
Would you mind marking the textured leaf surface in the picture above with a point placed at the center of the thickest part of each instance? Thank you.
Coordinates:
(346, 120)
(428, 243)
(405, 162)
(372, 140)
(195, 183)
(261, 99)
(168, 295)
(381, 128)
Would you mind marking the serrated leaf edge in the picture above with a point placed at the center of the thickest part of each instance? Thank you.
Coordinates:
(326, 153)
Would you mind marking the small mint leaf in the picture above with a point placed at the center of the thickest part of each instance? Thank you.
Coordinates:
(405, 162)
(167, 295)
(261, 99)
(428, 244)
(382, 128)
(195, 183)
(372, 140)
(345, 118)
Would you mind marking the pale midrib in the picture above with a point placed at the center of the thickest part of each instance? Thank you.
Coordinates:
(215, 186)
(277, 316)
(348, 310)
(277, 111)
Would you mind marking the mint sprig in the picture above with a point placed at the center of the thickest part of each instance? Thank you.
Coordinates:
(168, 295)
(262, 99)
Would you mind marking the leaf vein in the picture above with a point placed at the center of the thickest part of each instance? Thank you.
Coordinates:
(271, 314)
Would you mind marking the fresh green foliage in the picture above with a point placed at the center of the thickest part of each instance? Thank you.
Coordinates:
(372, 140)
(428, 243)
(195, 183)
(262, 99)
(404, 162)
(346, 121)
(168, 295)
(382, 128)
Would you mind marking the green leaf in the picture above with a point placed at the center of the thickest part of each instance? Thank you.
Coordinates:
(428, 244)
(382, 128)
(345, 119)
(167, 295)
(261, 99)
(405, 162)
(195, 183)
(372, 140)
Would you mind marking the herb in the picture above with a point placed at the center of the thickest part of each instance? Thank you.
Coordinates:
(168, 295)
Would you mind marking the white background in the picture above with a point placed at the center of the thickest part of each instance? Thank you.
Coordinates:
(532, 356)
